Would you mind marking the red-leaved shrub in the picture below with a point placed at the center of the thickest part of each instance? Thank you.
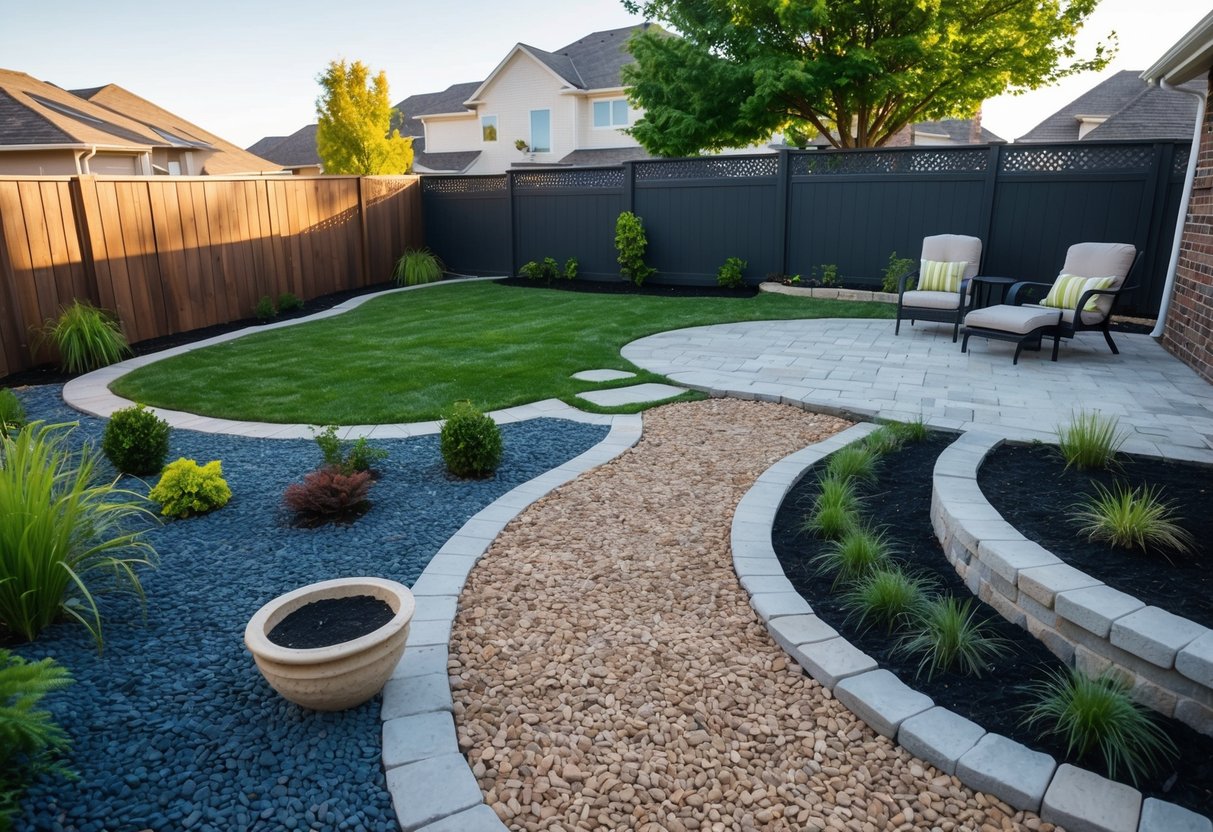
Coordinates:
(327, 495)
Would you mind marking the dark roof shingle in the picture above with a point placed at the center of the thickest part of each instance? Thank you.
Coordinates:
(1148, 112)
(296, 150)
(449, 100)
(21, 125)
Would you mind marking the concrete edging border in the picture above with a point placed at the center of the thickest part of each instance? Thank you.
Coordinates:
(987, 762)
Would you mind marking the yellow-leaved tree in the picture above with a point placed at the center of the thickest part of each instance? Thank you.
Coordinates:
(355, 133)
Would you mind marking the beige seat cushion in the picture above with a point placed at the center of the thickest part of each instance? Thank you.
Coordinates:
(1067, 315)
(931, 300)
(1015, 319)
(951, 248)
(1101, 260)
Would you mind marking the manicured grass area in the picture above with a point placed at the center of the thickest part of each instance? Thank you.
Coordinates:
(410, 356)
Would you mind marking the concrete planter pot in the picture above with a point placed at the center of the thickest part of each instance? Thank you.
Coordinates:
(342, 675)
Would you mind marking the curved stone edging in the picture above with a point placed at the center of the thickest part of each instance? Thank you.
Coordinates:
(431, 784)
(1082, 621)
(984, 761)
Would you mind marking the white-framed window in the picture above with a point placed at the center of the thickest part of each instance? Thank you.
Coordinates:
(488, 128)
(611, 113)
(541, 131)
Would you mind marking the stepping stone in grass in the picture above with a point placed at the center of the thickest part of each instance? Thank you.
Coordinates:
(635, 394)
(602, 375)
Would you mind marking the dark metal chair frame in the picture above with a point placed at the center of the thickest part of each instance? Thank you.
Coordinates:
(925, 313)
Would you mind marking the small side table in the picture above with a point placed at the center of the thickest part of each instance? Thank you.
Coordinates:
(987, 290)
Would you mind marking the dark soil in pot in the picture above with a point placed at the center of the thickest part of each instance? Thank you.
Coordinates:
(331, 621)
(1031, 488)
(900, 502)
(626, 287)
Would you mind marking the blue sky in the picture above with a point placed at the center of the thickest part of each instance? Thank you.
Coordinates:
(247, 69)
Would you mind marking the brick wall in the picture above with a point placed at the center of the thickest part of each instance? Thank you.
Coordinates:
(1189, 329)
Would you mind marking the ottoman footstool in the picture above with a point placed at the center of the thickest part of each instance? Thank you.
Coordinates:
(1020, 324)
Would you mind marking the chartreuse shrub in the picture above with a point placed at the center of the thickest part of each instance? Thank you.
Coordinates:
(347, 457)
(885, 596)
(416, 266)
(1096, 715)
(854, 462)
(63, 535)
(946, 634)
(187, 488)
(136, 440)
(1090, 440)
(893, 272)
(30, 739)
(86, 337)
(836, 510)
(630, 245)
(12, 413)
(470, 442)
(732, 274)
(1132, 518)
(854, 556)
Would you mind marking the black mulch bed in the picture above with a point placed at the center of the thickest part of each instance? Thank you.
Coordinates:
(1033, 491)
(901, 500)
(331, 621)
(626, 287)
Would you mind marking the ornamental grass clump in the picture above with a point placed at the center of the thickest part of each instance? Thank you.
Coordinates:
(1096, 716)
(136, 441)
(12, 412)
(1132, 518)
(885, 596)
(187, 488)
(417, 266)
(470, 442)
(86, 337)
(947, 635)
(854, 462)
(30, 740)
(64, 535)
(1090, 440)
(883, 440)
(915, 430)
(854, 556)
(836, 510)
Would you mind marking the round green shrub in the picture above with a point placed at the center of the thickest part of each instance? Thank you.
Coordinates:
(470, 442)
(187, 488)
(136, 441)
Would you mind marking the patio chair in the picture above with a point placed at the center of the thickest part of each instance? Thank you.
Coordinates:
(1082, 298)
(949, 262)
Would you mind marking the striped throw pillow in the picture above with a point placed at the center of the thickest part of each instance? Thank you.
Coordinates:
(1069, 288)
(940, 276)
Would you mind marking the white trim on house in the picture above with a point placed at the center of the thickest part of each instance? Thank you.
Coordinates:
(1191, 56)
(474, 101)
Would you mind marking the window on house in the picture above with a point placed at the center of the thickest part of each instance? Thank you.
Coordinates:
(612, 113)
(488, 128)
(541, 131)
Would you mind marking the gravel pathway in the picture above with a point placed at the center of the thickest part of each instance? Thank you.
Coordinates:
(608, 672)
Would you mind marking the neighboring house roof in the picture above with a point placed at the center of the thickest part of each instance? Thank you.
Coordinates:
(1148, 112)
(957, 129)
(40, 113)
(21, 124)
(263, 144)
(599, 56)
(605, 156)
(453, 162)
(449, 100)
(294, 151)
(224, 157)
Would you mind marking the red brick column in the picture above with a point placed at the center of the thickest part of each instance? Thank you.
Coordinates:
(1188, 334)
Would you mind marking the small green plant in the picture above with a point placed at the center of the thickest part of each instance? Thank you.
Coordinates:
(732, 274)
(1132, 518)
(12, 413)
(893, 272)
(855, 555)
(854, 462)
(63, 536)
(86, 337)
(136, 441)
(264, 310)
(520, 144)
(546, 271)
(187, 488)
(886, 596)
(946, 634)
(912, 431)
(1090, 440)
(417, 266)
(828, 274)
(883, 440)
(470, 442)
(362, 456)
(631, 243)
(289, 302)
(794, 280)
(347, 457)
(1097, 715)
(836, 510)
(330, 446)
(30, 740)
(570, 269)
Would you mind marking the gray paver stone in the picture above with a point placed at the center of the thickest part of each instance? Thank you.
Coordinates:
(1008, 770)
(1155, 634)
(882, 700)
(421, 661)
(1095, 608)
(1082, 801)
(416, 695)
(477, 819)
(1196, 660)
(1007, 557)
(435, 608)
(433, 584)
(833, 660)
(770, 605)
(940, 737)
(790, 631)
(755, 584)
(408, 739)
(1161, 816)
(602, 375)
(423, 633)
(757, 566)
(430, 790)
(648, 392)
(1042, 583)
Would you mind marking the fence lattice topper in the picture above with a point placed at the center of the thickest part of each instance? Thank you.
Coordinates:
(936, 160)
(573, 178)
(1136, 158)
(727, 167)
(1179, 161)
(463, 184)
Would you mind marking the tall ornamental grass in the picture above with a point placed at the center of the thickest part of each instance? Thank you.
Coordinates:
(1090, 440)
(64, 535)
(86, 337)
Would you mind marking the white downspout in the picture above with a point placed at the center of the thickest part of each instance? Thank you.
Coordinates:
(1193, 157)
(84, 162)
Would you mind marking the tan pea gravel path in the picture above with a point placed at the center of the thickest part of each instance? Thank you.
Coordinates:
(609, 673)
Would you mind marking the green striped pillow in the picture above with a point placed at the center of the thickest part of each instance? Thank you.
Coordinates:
(1069, 288)
(940, 276)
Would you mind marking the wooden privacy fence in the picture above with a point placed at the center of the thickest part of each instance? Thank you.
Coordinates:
(171, 254)
(794, 212)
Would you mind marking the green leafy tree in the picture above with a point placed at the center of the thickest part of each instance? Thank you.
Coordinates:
(355, 133)
(856, 71)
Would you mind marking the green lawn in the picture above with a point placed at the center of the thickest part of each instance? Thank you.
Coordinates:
(407, 357)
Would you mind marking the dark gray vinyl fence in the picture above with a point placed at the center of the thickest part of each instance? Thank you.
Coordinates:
(793, 212)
